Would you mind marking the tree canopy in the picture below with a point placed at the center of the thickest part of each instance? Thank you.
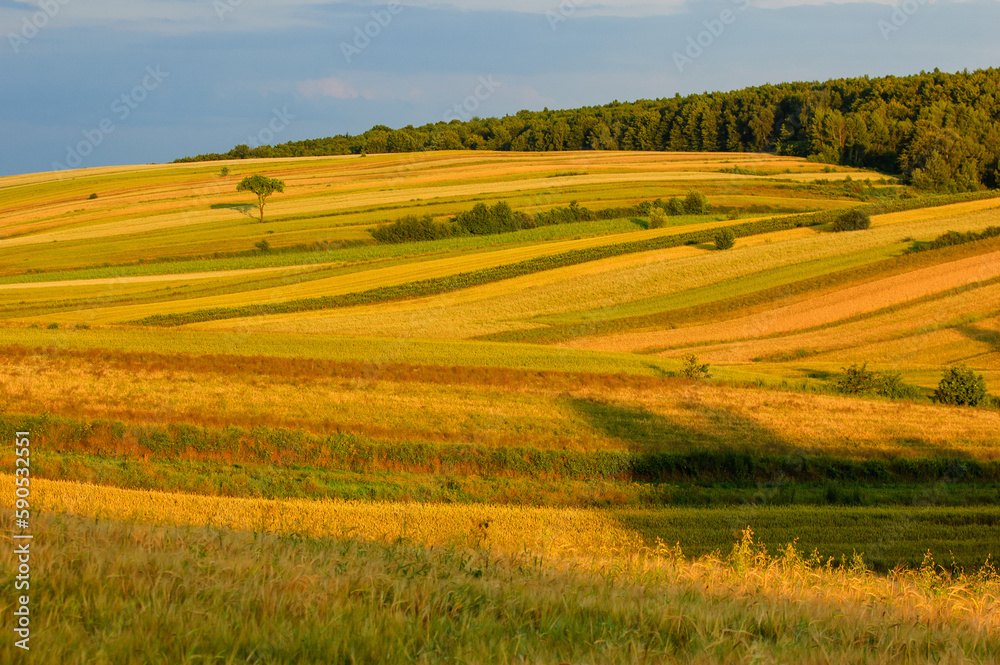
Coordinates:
(262, 186)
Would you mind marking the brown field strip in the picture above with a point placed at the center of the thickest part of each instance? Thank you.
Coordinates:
(825, 309)
(858, 341)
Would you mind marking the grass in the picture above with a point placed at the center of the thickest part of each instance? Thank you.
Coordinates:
(498, 408)
(124, 593)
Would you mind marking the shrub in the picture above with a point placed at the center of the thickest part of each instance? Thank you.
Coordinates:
(695, 204)
(852, 220)
(657, 218)
(53, 326)
(725, 239)
(693, 369)
(224, 172)
(860, 381)
(574, 212)
(955, 238)
(961, 386)
(263, 245)
(412, 228)
(675, 207)
(482, 220)
(93, 196)
(857, 380)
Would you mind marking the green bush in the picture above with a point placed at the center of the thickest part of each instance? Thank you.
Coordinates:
(693, 369)
(952, 238)
(962, 387)
(852, 220)
(482, 220)
(696, 204)
(675, 207)
(860, 381)
(657, 218)
(725, 239)
(412, 228)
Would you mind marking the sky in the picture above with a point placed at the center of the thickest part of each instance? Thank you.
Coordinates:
(109, 82)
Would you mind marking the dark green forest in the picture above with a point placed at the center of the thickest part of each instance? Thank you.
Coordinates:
(937, 131)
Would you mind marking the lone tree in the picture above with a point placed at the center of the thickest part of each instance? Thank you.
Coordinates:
(262, 186)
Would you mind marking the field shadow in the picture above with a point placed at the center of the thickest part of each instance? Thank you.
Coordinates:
(991, 337)
(644, 432)
(242, 208)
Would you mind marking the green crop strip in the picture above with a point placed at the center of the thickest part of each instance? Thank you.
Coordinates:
(476, 278)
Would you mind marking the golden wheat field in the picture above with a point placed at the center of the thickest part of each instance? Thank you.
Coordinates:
(574, 433)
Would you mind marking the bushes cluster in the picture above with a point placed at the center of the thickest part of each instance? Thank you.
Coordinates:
(574, 212)
(412, 228)
(861, 381)
(955, 238)
(501, 218)
(852, 220)
(483, 220)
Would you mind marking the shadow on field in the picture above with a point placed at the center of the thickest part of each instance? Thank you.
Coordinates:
(648, 433)
(991, 337)
(242, 208)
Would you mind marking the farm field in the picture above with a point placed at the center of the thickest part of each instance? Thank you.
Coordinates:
(446, 418)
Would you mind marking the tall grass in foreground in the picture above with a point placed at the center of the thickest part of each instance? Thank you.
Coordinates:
(111, 592)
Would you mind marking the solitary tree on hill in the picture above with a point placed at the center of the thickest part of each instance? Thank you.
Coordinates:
(262, 186)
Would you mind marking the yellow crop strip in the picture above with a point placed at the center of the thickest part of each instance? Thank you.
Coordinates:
(502, 528)
(629, 285)
(367, 279)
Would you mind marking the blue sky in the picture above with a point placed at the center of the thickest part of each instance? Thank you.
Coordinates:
(139, 81)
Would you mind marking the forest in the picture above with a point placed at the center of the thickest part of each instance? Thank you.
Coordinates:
(937, 131)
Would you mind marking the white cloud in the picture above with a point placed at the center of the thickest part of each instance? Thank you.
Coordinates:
(328, 87)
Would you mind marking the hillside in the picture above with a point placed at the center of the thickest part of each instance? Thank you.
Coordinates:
(938, 131)
(438, 419)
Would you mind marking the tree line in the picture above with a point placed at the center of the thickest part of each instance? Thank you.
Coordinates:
(938, 131)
